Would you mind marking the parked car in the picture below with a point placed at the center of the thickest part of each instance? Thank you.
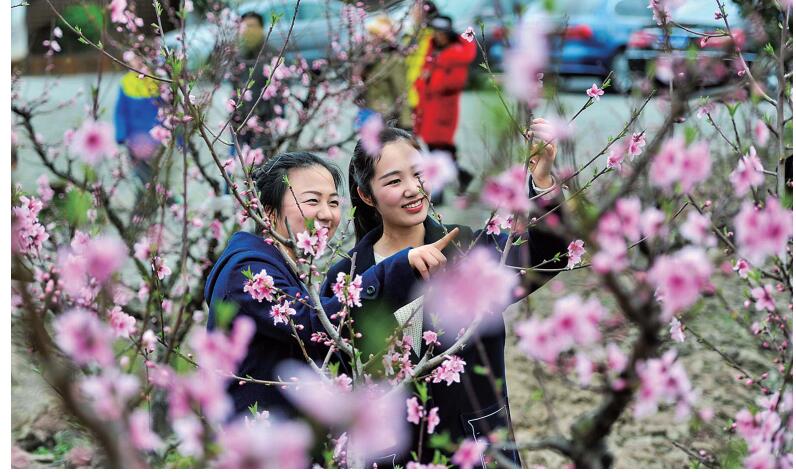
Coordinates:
(590, 37)
(311, 36)
(713, 57)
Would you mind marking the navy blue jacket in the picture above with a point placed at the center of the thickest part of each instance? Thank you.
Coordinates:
(272, 344)
(470, 408)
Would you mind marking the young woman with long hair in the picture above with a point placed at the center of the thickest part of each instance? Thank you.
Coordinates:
(391, 214)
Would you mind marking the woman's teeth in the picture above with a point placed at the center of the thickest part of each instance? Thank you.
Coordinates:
(414, 204)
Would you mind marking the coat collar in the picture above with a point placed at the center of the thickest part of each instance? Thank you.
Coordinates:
(364, 248)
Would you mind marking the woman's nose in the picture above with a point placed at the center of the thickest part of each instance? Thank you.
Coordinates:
(324, 213)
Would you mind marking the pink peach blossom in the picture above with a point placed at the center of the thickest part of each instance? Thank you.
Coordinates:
(762, 233)
(595, 92)
(469, 453)
(93, 141)
(369, 135)
(84, 338)
(436, 171)
(748, 174)
(282, 313)
(473, 288)
(260, 287)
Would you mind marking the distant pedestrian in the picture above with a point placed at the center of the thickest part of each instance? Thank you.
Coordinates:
(135, 115)
(383, 72)
(440, 86)
(419, 41)
(251, 60)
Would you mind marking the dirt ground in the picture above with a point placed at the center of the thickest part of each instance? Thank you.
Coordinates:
(644, 443)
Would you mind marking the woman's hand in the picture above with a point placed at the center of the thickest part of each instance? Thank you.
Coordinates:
(541, 164)
(428, 259)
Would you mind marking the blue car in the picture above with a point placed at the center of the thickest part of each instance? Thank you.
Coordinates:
(589, 37)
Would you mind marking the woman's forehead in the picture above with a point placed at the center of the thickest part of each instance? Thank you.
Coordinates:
(396, 155)
(314, 178)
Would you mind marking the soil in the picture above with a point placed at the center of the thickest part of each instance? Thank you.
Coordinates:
(646, 442)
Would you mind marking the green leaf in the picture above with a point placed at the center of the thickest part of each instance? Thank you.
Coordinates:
(225, 311)
(248, 273)
(519, 242)
(480, 370)
(732, 108)
(769, 49)
(440, 441)
(734, 454)
(690, 134)
(253, 409)
(76, 206)
(182, 366)
(334, 369)
(422, 391)
(537, 395)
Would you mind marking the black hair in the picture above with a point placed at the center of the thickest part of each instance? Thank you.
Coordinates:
(430, 9)
(360, 173)
(270, 176)
(444, 24)
(255, 15)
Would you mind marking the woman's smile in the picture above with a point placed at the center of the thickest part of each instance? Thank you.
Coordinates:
(414, 206)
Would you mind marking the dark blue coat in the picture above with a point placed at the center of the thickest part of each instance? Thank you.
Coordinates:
(470, 408)
(272, 344)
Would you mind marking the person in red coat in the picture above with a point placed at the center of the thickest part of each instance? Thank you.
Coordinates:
(439, 87)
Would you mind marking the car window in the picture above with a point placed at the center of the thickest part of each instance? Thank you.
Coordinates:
(459, 9)
(315, 11)
(576, 7)
(633, 8)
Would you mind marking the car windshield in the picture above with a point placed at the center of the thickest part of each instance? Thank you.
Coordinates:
(568, 7)
(459, 8)
(633, 8)
(268, 8)
(697, 12)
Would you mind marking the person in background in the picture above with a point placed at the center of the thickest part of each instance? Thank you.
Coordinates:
(252, 37)
(439, 87)
(421, 13)
(136, 113)
(383, 71)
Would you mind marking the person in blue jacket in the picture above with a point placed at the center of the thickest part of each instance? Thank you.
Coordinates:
(391, 212)
(136, 113)
(312, 195)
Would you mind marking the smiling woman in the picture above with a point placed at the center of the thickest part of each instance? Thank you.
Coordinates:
(252, 277)
(388, 191)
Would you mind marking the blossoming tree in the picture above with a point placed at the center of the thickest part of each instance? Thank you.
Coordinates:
(108, 288)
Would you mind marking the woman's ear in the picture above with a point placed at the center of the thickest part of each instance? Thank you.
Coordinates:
(365, 198)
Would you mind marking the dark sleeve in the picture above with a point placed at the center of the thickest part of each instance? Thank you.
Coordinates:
(260, 312)
(389, 281)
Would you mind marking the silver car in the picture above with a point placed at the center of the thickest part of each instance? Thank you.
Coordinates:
(317, 23)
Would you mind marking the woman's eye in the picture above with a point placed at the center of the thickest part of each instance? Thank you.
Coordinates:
(334, 203)
(313, 201)
(418, 174)
(393, 182)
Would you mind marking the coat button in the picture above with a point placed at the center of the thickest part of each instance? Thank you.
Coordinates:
(370, 290)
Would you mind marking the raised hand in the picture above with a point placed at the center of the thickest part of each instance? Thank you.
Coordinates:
(542, 162)
(428, 258)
